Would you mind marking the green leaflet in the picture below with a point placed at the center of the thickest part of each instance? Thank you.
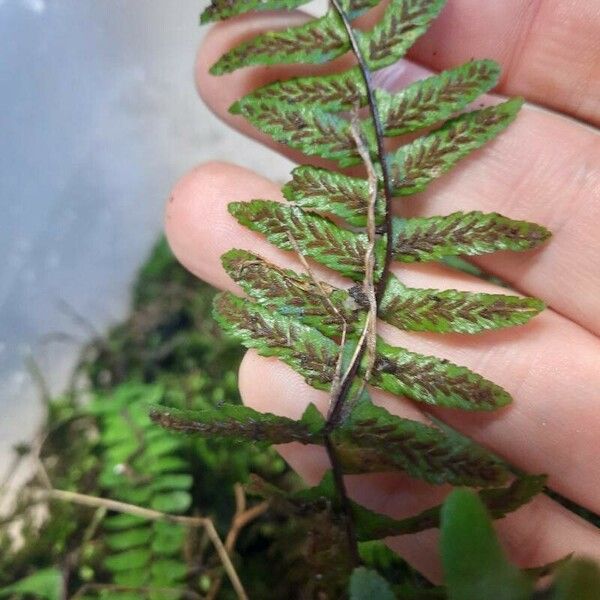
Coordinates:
(472, 233)
(436, 98)
(417, 164)
(313, 131)
(317, 41)
(325, 307)
(239, 422)
(317, 305)
(422, 103)
(453, 311)
(328, 92)
(422, 378)
(330, 192)
(373, 438)
(370, 440)
(303, 348)
(224, 9)
(403, 23)
(317, 237)
(474, 563)
(434, 381)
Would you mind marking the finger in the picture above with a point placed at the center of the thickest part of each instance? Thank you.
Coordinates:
(544, 168)
(536, 534)
(549, 49)
(549, 366)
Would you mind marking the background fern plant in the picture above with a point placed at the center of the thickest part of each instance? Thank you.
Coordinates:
(346, 223)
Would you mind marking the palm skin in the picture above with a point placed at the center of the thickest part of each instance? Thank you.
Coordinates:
(545, 168)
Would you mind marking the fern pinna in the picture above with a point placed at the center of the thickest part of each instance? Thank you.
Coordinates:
(346, 223)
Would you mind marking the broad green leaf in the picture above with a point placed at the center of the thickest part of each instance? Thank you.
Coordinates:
(366, 584)
(475, 565)
(436, 98)
(330, 192)
(177, 501)
(415, 165)
(434, 380)
(224, 9)
(130, 538)
(328, 92)
(237, 422)
(374, 440)
(317, 41)
(445, 311)
(579, 579)
(403, 23)
(473, 233)
(46, 584)
(317, 237)
(128, 560)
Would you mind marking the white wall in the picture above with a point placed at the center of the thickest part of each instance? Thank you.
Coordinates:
(99, 117)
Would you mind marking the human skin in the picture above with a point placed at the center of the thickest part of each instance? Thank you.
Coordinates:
(544, 168)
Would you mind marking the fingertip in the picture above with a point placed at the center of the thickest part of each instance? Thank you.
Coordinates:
(198, 226)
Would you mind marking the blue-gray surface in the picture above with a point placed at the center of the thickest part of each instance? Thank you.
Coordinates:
(98, 117)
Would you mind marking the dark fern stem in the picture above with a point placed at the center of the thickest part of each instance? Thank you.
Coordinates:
(346, 384)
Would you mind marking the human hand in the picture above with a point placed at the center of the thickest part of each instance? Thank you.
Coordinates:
(545, 168)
